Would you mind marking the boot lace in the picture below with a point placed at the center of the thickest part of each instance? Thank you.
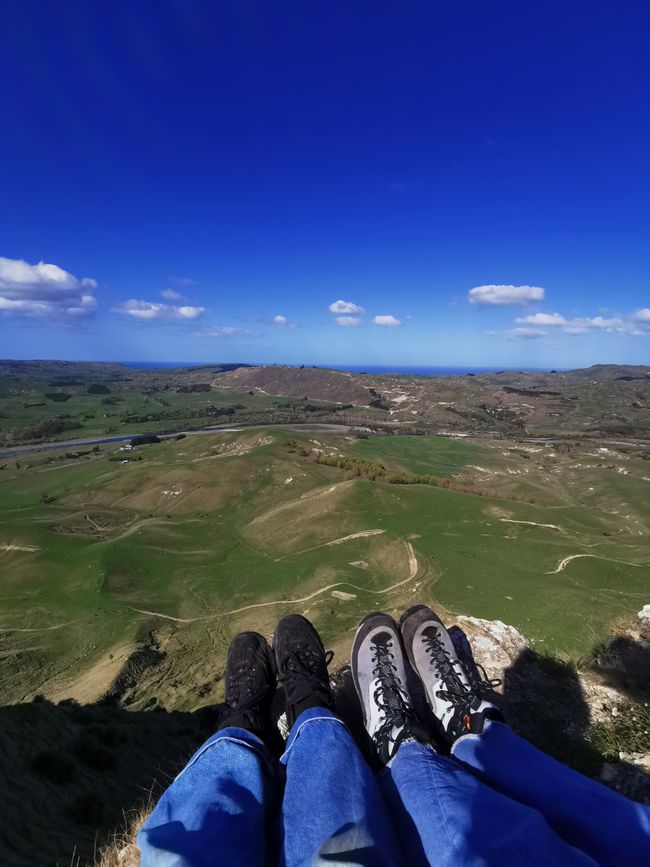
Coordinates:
(464, 697)
(388, 696)
(304, 672)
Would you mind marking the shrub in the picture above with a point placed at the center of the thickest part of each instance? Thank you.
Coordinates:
(145, 439)
(628, 732)
(48, 428)
(98, 388)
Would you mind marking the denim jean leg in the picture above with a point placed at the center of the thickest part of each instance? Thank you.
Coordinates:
(332, 810)
(221, 809)
(445, 816)
(609, 827)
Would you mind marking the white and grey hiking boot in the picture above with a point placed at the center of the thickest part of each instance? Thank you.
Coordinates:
(379, 675)
(458, 700)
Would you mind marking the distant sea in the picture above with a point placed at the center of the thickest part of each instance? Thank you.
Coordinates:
(353, 368)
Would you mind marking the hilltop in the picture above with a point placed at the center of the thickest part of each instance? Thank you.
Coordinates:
(603, 400)
(55, 401)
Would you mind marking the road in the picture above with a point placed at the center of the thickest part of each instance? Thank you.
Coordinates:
(122, 438)
(310, 428)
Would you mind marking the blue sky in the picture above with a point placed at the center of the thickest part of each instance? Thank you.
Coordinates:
(175, 176)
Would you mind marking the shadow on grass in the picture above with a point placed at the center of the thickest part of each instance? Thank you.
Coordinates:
(72, 776)
(543, 700)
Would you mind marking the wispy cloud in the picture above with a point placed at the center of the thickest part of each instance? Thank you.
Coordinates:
(347, 321)
(499, 294)
(44, 290)
(524, 333)
(341, 306)
(642, 315)
(387, 320)
(580, 324)
(224, 331)
(150, 311)
(172, 295)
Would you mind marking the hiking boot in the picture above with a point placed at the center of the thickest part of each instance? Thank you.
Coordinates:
(302, 666)
(457, 700)
(379, 674)
(250, 684)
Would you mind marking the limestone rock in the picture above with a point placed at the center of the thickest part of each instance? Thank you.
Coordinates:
(644, 613)
(495, 644)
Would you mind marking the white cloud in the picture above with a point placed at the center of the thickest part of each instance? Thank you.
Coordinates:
(524, 333)
(44, 290)
(613, 324)
(172, 295)
(541, 319)
(500, 294)
(283, 322)
(387, 320)
(345, 307)
(188, 312)
(347, 321)
(151, 310)
(641, 320)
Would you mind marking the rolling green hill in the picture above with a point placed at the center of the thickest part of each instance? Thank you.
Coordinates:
(130, 578)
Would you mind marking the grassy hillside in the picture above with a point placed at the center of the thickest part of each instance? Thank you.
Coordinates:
(133, 577)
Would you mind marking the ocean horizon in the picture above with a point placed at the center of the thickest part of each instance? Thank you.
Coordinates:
(352, 368)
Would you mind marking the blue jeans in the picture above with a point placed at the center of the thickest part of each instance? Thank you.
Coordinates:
(498, 801)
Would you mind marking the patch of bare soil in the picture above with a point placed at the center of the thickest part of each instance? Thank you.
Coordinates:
(10, 548)
(237, 448)
(96, 681)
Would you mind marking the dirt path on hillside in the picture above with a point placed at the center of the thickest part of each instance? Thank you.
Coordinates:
(95, 681)
(30, 548)
(33, 628)
(413, 561)
(139, 524)
(311, 495)
(413, 570)
(533, 524)
(561, 566)
(361, 535)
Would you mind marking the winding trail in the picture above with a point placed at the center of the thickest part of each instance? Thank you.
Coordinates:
(359, 535)
(413, 569)
(33, 628)
(29, 548)
(561, 566)
(532, 524)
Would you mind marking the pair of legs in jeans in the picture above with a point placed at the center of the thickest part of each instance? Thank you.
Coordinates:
(494, 800)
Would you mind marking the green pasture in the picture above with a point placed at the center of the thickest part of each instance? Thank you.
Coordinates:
(210, 524)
